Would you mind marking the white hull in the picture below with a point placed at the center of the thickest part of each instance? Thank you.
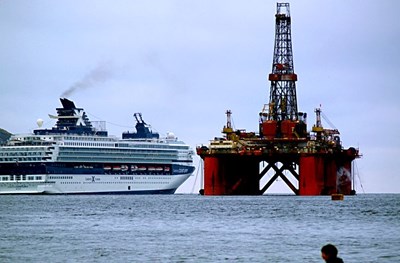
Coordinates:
(96, 184)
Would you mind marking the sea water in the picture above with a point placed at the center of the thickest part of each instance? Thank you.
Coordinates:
(193, 228)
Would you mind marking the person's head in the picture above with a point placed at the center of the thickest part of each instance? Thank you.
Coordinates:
(329, 251)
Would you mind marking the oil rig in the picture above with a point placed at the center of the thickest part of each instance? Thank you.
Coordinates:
(235, 163)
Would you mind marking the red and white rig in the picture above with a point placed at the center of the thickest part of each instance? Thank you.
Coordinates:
(316, 158)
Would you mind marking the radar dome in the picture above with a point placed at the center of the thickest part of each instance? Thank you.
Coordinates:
(39, 122)
(170, 135)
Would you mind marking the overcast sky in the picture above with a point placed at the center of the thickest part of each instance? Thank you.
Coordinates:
(184, 63)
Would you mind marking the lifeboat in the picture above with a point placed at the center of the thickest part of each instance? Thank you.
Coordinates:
(142, 168)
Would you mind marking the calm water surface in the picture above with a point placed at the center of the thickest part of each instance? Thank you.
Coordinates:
(192, 228)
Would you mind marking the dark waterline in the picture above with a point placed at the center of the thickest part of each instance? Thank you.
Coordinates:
(193, 228)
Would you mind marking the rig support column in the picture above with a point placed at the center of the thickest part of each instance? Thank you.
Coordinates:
(311, 181)
(230, 175)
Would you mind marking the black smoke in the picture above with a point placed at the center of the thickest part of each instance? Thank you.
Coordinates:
(98, 75)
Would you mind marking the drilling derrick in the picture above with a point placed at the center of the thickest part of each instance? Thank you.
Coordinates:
(282, 100)
(316, 160)
(280, 116)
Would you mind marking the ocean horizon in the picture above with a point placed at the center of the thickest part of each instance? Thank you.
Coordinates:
(193, 228)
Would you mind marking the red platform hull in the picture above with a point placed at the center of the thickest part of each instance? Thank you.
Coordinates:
(240, 175)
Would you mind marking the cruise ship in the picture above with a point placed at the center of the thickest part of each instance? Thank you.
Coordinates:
(76, 157)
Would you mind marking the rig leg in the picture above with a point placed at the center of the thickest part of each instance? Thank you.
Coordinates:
(231, 175)
(311, 180)
(325, 176)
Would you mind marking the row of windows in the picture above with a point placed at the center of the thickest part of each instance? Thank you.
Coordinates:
(105, 153)
(133, 178)
(21, 153)
(146, 146)
(137, 173)
(87, 138)
(22, 149)
(33, 138)
(32, 178)
(108, 159)
(116, 145)
(27, 138)
(21, 159)
(114, 159)
(19, 177)
(115, 150)
(61, 177)
(89, 144)
(151, 182)
(120, 182)
(155, 145)
(127, 178)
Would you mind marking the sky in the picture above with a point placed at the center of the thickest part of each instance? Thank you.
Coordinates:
(182, 64)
